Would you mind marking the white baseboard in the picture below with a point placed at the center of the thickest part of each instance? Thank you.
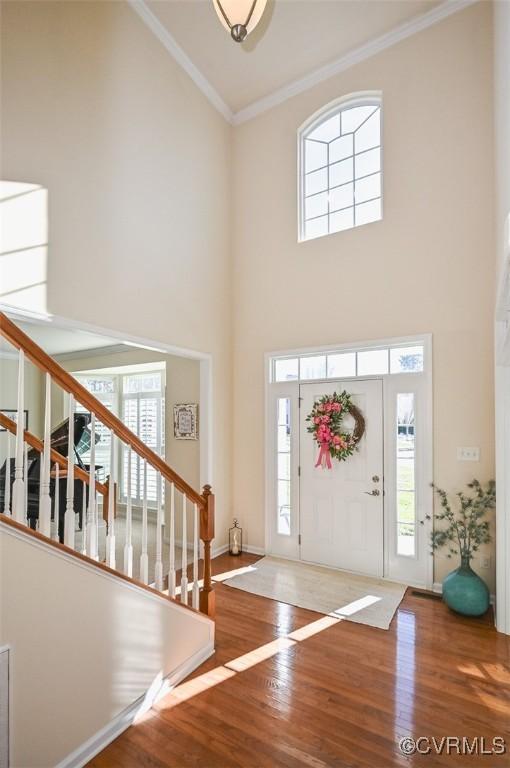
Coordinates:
(89, 749)
(438, 587)
(217, 551)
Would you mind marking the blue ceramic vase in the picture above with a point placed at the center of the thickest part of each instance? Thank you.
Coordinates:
(465, 592)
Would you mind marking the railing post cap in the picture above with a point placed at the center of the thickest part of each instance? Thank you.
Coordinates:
(207, 490)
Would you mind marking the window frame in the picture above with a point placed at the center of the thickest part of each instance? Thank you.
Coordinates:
(359, 99)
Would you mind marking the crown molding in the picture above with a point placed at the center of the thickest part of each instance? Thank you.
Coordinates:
(357, 55)
(175, 50)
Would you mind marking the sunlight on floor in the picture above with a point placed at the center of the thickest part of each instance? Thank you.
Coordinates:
(315, 627)
(193, 687)
(355, 606)
(235, 572)
(260, 654)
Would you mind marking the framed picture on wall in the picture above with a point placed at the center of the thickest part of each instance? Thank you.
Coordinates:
(186, 421)
(13, 416)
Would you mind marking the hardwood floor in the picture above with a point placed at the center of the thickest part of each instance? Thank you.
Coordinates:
(340, 695)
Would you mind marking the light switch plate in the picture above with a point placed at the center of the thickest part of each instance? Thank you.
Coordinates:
(468, 454)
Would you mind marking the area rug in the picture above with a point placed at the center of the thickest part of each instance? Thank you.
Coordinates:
(340, 594)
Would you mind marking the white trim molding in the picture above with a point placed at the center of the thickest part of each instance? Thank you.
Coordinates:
(350, 59)
(174, 49)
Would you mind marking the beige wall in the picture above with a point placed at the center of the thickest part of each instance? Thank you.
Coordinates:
(137, 164)
(84, 647)
(427, 267)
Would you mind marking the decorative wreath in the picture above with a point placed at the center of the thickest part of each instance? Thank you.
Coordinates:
(326, 426)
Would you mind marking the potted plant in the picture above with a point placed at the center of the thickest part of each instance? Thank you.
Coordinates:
(465, 529)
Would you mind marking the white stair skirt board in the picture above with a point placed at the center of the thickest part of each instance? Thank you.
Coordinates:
(81, 756)
(343, 595)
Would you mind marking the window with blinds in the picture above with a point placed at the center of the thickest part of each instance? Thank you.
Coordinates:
(143, 412)
(139, 400)
(105, 388)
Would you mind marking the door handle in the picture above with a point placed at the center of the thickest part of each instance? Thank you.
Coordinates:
(375, 492)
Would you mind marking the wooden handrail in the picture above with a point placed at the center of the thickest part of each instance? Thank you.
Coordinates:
(56, 457)
(45, 363)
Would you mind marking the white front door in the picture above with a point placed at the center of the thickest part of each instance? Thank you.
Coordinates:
(341, 509)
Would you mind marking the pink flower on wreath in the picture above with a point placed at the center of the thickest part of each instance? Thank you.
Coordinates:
(336, 407)
(321, 408)
(316, 420)
(325, 419)
(328, 407)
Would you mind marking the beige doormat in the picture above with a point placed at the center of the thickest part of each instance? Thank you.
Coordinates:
(335, 593)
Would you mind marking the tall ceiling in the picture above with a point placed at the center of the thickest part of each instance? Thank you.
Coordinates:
(294, 38)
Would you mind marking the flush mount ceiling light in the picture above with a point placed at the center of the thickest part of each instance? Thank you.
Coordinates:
(239, 17)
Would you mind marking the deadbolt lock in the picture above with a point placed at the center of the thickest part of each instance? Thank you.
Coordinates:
(375, 478)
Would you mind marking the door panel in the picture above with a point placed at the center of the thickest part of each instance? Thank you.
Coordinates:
(340, 524)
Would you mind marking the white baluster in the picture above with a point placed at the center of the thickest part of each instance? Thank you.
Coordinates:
(7, 489)
(44, 497)
(196, 589)
(18, 489)
(171, 572)
(25, 475)
(69, 517)
(56, 502)
(92, 512)
(84, 519)
(128, 547)
(144, 559)
(184, 566)
(96, 507)
(158, 571)
(110, 540)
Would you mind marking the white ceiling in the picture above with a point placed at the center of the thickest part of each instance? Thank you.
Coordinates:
(294, 38)
(59, 341)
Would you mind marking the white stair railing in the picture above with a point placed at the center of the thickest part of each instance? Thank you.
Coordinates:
(144, 558)
(184, 560)
(44, 488)
(18, 489)
(128, 546)
(158, 568)
(110, 539)
(56, 504)
(7, 489)
(195, 594)
(171, 571)
(69, 517)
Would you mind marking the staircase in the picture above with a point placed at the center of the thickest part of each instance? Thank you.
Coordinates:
(136, 636)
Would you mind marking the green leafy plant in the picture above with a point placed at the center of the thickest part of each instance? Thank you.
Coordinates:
(465, 527)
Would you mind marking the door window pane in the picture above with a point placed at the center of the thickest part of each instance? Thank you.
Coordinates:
(406, 475)
(286, 370)
(341, 365)
(372, 362)
(283, 481)
(406, 360)
(313, 367)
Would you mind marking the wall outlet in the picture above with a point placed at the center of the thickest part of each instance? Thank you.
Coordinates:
(485, 562)
(468, 454)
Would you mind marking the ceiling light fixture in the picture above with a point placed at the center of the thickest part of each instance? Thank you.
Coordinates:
(239, 17)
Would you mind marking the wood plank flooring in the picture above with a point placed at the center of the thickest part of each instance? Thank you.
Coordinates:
(340, 695)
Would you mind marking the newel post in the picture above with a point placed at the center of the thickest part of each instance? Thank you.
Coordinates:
(207, 596)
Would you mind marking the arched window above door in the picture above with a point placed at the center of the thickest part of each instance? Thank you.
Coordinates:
(340, 168)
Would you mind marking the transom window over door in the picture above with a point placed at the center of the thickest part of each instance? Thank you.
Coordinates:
(340, 171)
